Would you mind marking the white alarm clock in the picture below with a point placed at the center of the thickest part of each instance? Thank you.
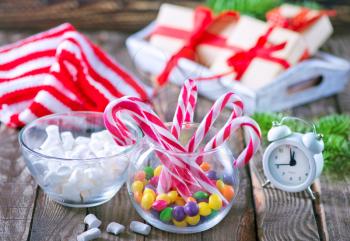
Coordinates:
(293, 160)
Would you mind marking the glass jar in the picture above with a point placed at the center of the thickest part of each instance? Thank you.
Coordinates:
(168, 210)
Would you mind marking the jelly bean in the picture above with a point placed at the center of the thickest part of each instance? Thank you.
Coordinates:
(205, 166)
(159, 205)
(191, 199)
(200, 195)
(215, 202)
(138, 196)
(220, 184)
(140, 176)
(212, 175)
(178, 213)
(193, 220)
(147, 201)
(180, 202)
(163, 196)
(204, 209)
(150, 191)
(191, 209)
(158, 170)
(172, 196)
(180, 223)
(228, 179)
(150, 186)
(149, 172)
(228, 192)
(137, 186)
(166, 214)
(213, 214)
(154, 181)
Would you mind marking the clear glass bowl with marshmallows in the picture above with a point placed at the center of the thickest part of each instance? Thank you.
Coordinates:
(74, 159)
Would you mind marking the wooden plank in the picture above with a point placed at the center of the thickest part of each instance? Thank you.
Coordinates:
(18, 190)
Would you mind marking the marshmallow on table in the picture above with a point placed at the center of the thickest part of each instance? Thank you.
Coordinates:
(92, 221)
(89, 235)
(140, 228)
(115, 228)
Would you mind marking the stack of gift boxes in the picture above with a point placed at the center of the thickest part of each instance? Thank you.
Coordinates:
(246, 49)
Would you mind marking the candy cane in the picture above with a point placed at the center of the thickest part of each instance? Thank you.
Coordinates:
(232, 125)
(229, 98)
(185, 106)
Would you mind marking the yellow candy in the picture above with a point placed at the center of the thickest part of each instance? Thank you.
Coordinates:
(193, 220)
(204, 209)
(215, 202)
(150, 191)
(137, 186)
(180, 201)
(180, 223)
(147, 201)
(158, 170)
(163, 196)
(220, 184)
(172, 196)
(138, 196)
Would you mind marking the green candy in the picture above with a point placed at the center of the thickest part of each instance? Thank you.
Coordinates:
(166, 214)
(200, 195)
(149, 172)
(213, 213)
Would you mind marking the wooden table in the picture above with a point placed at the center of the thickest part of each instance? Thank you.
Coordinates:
(26, 213)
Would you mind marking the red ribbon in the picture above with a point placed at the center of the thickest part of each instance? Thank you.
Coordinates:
(297, 23)
(203, 19)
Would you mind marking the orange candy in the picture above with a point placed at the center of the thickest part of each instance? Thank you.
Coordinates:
(138, 196)
(228, 192)
(205, 166)
(191, 199)
(180, 201)
(140, 176)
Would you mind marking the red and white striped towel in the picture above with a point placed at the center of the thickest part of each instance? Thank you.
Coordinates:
(57, 71)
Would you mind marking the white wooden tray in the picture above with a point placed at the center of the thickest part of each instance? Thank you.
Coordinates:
(309, 80)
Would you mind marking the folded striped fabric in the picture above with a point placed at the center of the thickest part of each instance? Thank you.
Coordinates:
(57, 71)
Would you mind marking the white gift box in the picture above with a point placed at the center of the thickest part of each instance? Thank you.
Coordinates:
(309, 80)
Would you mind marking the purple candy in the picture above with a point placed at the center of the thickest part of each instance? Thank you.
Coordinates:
(191, 209)
(149, 186)
(212, 175)
(228, 179)
(179, 213)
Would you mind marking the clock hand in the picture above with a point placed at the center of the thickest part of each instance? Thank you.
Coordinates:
(293, 162)
(282, 164)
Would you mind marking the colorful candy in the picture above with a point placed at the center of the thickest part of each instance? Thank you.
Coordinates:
(159, 205)
(215, 202)
(228, 179)
(178, 213)
(228, 192)
(173, 196)
(138, 196)
(205, 166)
(212, 175)
(191, 199)
(140, 176)
(150, 191)
(200, 195)
(193, 220)
(182, 223)
(157, 170)
(149, 172)
(137, 186)
(163, 196)
(166, 214)
(204, 209)
(180, 201)
(191, 209)
(147, 201)
(220, 185)
(154, 181)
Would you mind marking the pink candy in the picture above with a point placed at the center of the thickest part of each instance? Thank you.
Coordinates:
(159, 205)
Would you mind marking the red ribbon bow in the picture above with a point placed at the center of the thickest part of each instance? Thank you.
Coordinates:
(241, 60)
(203, 18)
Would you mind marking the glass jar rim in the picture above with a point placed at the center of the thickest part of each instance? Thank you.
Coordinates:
(127, 149)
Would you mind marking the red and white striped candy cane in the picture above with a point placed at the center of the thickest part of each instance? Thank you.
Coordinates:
(232, 125)
(185, 106)
(227, 99)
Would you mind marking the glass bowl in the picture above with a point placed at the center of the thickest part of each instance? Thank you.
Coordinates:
(75, 182)
(169, 211)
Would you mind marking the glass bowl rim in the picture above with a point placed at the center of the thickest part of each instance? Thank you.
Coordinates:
(128, 148)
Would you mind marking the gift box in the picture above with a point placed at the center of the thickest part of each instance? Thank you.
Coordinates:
(313, 25)
(176, 25)
(265, 52)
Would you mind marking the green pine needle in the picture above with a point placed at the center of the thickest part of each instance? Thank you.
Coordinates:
(336, 131)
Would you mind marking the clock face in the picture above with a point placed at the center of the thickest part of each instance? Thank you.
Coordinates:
(289, 165)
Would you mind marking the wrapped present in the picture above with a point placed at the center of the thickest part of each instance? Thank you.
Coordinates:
(193, 34)
(265, 52)
(313, 25)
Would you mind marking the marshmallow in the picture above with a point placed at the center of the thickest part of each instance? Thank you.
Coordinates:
(70, 192)
(115, 228)
(81, 151)
(89, 235)
(67, 140)
(140, 228)
(96, 146)
(92, 221)
(53, 151)
(53, 137)
(40, 168)
(82, 140)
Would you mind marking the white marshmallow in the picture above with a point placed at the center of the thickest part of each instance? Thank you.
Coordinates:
(80, 181)
(96, 146)
(89, 235)
(64, 172)
(81, 152)
(53, 137)
(70, 192)
(140, 228)
(51, 179)
(67, 140)
(82, 140)
(115, 228)
(40, 168)
(92, 221)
